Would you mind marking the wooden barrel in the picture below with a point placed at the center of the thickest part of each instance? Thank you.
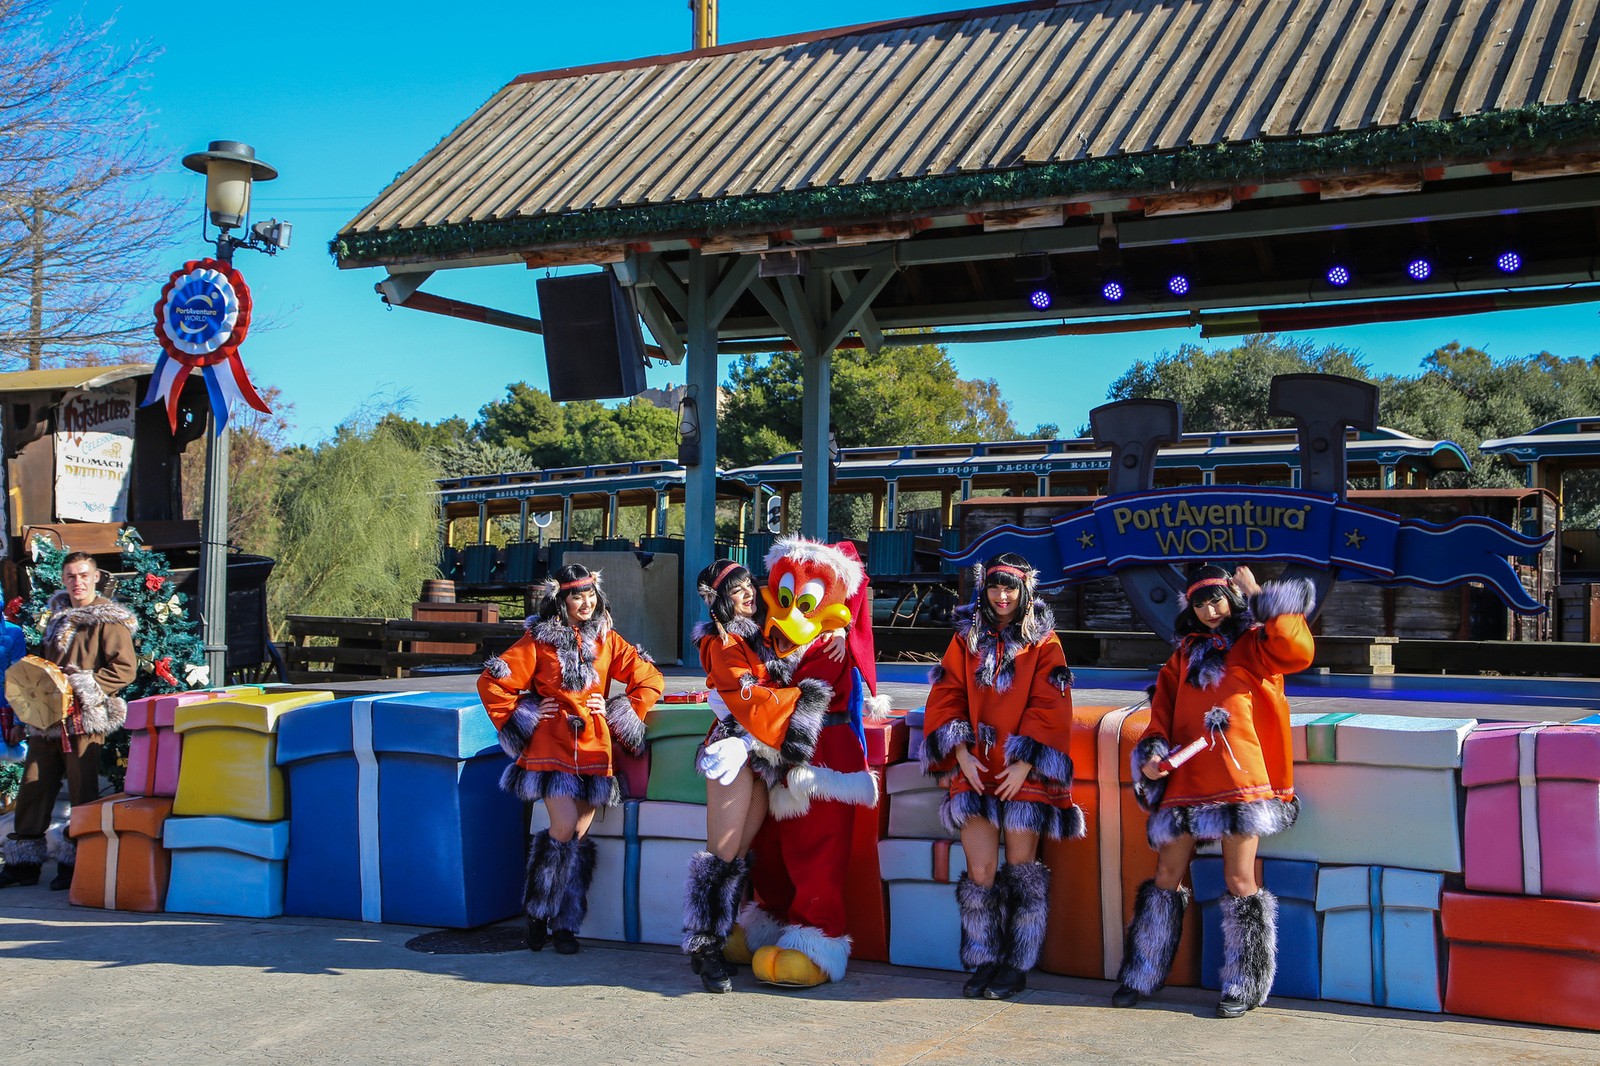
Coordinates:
(439, 590)
(38, 691)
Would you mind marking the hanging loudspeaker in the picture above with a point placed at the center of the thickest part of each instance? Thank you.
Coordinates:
(593, 348)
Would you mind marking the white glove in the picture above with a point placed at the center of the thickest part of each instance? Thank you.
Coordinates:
(724, 758)
(719, 707)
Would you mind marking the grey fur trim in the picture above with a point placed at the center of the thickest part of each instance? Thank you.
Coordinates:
(529, 785)
(1061, 678)
(935, 674)
(24, 851)
(987, 735)
(1027, 816)
(1218, 719)
(983, 922)
(557, 885)
(1049, 764)
(575, 651)
(65, 619)
(644, 655)
(1151, 941)
(712, 893)
(1249, 946)
(940, 744)
(497, 668)
(67, 851)
(997, 665)
(1213, 821)
(627, 728)
(518, 730)
(1277, 598)
(99, 713)
(1146, 791)
(701, 631)
(1027, 888)
(805, 723)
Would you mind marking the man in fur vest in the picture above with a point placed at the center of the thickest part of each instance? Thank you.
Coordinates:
(91, 639)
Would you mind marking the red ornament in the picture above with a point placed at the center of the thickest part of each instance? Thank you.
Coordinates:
(153, 582)
(13, 609)
(164, 670)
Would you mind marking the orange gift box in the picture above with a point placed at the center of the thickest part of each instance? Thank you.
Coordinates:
(122, 864)
(1094, 880)
(1523, 959)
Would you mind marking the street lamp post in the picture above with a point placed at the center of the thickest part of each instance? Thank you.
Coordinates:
(230, 168)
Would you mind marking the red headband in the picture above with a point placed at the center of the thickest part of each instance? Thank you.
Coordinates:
(1203, 582)
(726, 570)
(580, 583)
(1021, 575)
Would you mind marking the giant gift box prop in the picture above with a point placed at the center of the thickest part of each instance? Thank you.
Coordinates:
(1380, 936)
(868, 902)
(914, 799)
(122, 864)
(1523, 959)
(1094, 880)
(914, 738)
(229, 767)
(1533, 810)
(154, 750)
(674, 733)
(1375, 790)
(1299, 971)
(397, 813)
(227, 866)
(924, 920)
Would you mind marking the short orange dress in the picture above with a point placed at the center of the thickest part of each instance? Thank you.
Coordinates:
(1226, 688)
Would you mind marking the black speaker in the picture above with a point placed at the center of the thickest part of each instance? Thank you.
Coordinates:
(593, 348)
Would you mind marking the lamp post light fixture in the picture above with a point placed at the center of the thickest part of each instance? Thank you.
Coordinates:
(231, 168)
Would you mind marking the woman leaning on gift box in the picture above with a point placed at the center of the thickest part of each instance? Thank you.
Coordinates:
(1216, 764)
(998, 726)
(547, 695)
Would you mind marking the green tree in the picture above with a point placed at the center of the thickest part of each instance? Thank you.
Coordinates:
(430, 435)
(529, 421)
(360, 526)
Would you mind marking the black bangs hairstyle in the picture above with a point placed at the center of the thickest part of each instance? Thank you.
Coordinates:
(1005, 579)
(1187, 621)
(715, 593)
(553, 606)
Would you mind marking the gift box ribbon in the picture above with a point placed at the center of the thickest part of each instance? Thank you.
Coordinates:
(1528, 804)
(1108, 766)
(1322, 743)
(367, 832)
(630, 873)
(1380, 993)
(108, 811)
(152, 750)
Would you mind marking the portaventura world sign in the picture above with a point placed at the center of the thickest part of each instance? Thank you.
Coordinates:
(1230, 523)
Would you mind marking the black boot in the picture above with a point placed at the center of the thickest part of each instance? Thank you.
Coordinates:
(712, 892)
(535, 933)
(24, 858)
(983, 923)
(1249, 951)
(63, 878)
(566, 942)
(707, 961)
(1150, 943)
(20, 874)
(1027, 890)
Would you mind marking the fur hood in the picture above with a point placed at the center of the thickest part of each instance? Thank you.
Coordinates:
(574, 647)
(65, 619)
(996, 670)
(780, 668)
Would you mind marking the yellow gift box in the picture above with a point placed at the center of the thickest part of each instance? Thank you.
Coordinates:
(230, 751)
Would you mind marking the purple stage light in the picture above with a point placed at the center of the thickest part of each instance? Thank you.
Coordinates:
(1040, 299)
(1178, 285)
(1509, 262)
(1112, 291)
(1339, 276)
(1419, 269)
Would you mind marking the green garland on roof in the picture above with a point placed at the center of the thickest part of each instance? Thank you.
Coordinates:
(1531, 129)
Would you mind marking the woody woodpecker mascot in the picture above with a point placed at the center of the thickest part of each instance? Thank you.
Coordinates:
(794, 933)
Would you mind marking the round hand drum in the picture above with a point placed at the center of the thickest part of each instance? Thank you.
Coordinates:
(38, 691)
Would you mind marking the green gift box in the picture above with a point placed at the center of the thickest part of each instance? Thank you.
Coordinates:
(674, 732)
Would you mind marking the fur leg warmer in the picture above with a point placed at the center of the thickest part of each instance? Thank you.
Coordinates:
(1151, 941)
(711, 897)
(559, 873)
(1027, 889)
(983, 922)
(24, 851)
(1249, 946)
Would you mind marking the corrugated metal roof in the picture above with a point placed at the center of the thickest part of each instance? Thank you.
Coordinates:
(72, 377)
(986, 90)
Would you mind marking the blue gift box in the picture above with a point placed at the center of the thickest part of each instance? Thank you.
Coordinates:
(1299, 955)
(226, 866)
(397, 813)
(1382, 943)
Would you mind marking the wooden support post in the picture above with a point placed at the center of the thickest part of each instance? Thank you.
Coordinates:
(947, 509)
(566, 518)
(966, 488)
(1042, 488)
(522, 521)
(483, 522)
(612, 528)
(891, 505)
(663, 501)
(814, 407)
(783, 511)
(1387, 476)
(877, 511)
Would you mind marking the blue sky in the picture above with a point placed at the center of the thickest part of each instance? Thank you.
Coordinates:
(341, 97)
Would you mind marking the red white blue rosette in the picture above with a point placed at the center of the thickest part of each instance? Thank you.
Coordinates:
(201, 319)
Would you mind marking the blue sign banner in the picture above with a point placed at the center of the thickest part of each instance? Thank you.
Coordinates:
(1215, 523)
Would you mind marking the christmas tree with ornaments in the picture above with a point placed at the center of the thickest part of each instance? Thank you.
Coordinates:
(171, 654)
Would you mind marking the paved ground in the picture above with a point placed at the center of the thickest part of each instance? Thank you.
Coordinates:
(85, 986)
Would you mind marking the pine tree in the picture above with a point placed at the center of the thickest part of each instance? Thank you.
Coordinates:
(171, 655)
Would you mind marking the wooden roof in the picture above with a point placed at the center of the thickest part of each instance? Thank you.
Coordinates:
(844, 122)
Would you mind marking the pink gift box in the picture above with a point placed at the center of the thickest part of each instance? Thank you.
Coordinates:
(1533, 810)
(154, 750)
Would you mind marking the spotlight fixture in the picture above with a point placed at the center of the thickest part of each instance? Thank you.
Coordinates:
(1040, 299)
(1178, 285)
(1340, 275)
(1113, 290)
(1509, 261)
(1420, 268)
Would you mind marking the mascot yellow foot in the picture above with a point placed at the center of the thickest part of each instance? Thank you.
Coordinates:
(786, 967)
(735, 949)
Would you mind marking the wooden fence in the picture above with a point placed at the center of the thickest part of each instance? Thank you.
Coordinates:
(359, 649)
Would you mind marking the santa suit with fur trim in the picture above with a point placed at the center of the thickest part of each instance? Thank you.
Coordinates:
(803, 849)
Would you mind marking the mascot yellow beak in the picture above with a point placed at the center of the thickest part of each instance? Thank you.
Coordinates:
(796, 628)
